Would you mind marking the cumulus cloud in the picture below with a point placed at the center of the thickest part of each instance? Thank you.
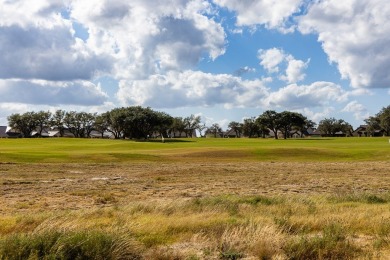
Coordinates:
(39, 44)
(359, 111)
(318, 94)
(39, 92)
(295, 70)
(151, 37)
(192, 88)
(273, 59)
(272, 14)
(355, 35)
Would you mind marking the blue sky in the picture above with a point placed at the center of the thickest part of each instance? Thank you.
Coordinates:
(222, 59)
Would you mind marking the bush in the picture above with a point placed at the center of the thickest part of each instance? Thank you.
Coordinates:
(332, 244)
(73, 245)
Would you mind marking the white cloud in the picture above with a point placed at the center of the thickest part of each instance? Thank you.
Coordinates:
(274, 59)
(359, 111)
(41, 92)
(317, 116)
(295, 70)
(151, 38)
(355, 35)
(318, 94)
(49, 54)
(273, 14)
(271, 58)
(192, 88)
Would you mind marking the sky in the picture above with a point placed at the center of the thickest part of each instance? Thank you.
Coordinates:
(224, 60)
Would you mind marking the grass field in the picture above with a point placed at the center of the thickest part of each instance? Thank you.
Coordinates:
(195, 199)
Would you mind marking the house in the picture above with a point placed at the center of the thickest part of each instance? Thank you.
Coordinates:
(178, 134)
(3, 132)
(230, 134)
(361, 131)
(97, 134)
(12, 133)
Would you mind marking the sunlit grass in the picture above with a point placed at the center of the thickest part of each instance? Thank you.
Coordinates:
(96, 150)
(245, 226)
(195, 199)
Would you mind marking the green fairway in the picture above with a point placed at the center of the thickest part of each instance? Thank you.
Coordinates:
(61, 150)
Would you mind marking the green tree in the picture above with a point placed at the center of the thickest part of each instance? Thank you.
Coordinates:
(236, 127)
(42, 120)
(214, 129)
(289, 120)
(178, 126)
(384, 118)
(80, 124)
(250, 127)
(24, 123)
(163, 123)
(330, 126)
(191, 124)
(101, 124)
(116, 119)
(373, 125)
(57, 120)
(272, 120)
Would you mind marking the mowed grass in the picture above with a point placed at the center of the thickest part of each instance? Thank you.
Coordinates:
(61, 150)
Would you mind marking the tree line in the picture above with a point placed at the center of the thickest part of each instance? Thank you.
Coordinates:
(138, 122)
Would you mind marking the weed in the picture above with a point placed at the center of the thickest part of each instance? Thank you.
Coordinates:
(331, 244)
(68, 245)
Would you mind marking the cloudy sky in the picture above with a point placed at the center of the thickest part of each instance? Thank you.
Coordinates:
(222, 59)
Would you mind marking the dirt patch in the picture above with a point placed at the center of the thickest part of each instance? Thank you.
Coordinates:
(26, 187)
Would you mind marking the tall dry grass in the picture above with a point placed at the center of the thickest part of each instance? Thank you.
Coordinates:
(221, 227)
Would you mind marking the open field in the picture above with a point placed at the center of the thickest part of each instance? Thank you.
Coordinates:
(195, 199)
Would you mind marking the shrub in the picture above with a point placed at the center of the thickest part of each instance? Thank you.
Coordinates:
(331, 244)
(72, 245)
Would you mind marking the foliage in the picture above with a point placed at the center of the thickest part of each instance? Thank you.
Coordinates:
(272, 120)
(67, 245)
(330, 126)
(236, 127)
(381, 121)
(25, 123)
(80, 124)
(214, 129)
(331, 244)
(191, 123)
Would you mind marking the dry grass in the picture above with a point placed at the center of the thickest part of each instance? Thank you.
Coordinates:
(184, 210)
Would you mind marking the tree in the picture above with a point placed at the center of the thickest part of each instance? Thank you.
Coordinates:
(289, 120)
(42, 120)
(373, 125)
(191, 124)
(163, 123)
(101, 124)
(177, 126)
(272, 120)
(140, 123)
(201, 127)
(25, 123)
(214, 129)
(236, 127)
(302, 129)
(384, 118)
(80, 124)
(250, 127)
(116, 120)
(330, 126)
(57, 120)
